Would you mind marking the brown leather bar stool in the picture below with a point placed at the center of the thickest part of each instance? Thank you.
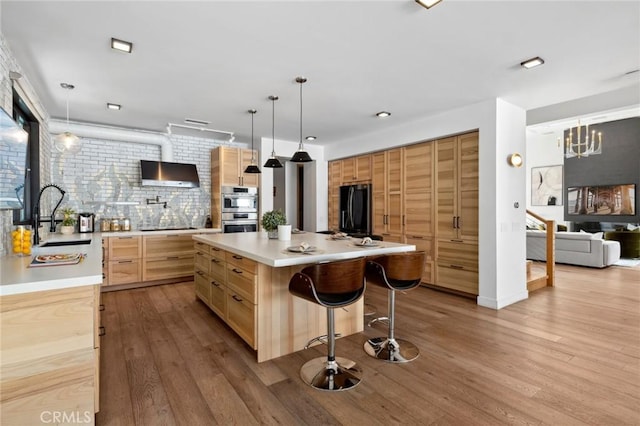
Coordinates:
(397, 272)
(332, 285)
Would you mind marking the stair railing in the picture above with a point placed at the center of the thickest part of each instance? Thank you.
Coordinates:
(550, 229)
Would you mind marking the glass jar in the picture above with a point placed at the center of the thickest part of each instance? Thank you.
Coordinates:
(105, 225)
(125, 224)
(115, 224)
(20, 243)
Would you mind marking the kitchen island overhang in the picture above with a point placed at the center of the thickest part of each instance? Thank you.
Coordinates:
(247, 283)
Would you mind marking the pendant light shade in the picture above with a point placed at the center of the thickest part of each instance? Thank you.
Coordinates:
(67, 141)
(273, 162)
(252, 168)
(301, 156)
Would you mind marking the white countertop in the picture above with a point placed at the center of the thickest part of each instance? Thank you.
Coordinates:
(17, 278)
(256, 246)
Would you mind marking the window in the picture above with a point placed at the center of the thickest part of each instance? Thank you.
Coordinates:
(25, 118)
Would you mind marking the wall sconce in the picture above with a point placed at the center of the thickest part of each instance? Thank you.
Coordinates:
(515, 160)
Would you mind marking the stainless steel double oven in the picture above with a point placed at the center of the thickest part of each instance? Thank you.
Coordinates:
(239, 209)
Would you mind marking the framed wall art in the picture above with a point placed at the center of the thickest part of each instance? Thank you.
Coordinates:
(546, 186)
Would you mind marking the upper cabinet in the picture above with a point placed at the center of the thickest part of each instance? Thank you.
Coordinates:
(335, 180)
(356, 169)
(231, 164)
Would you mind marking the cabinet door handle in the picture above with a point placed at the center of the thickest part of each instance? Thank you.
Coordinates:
(102, 331)
(103, 276)
(237, 257)
(453, 222)
(457, 266)
(125, 261)
(459, 222)
(217, 284)
(417, 237)
(215, 261)
(237, 271)
(173, 257)
(125, 238)
(101, 307)
(236, 298)
(200, 273)
(402, 220)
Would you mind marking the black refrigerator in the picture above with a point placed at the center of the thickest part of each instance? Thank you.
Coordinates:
(355, 209)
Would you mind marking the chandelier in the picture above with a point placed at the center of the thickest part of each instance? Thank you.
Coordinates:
(582, 144)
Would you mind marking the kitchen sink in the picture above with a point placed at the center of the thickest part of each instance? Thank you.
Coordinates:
(65, 243)
(165, 229)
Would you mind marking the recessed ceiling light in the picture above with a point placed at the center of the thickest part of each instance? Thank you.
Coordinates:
(310, 138)
(383, 114)
(428, 3)
(114, 106)
(533, 62)
(123, 46)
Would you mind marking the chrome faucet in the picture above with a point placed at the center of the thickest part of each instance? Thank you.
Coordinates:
(36, 213)
(156, 201)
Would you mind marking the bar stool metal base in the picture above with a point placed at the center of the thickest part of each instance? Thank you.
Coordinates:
(391, 350)
(338, 375)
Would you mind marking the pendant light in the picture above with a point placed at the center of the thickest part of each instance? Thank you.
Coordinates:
(252, 168)
(301, 156)
(273, 162)
(67, 141)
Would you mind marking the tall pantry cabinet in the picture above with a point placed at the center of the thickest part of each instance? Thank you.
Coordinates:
(457, 213)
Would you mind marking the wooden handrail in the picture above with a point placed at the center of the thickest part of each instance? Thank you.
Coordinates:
(550, 229)
(537, 216)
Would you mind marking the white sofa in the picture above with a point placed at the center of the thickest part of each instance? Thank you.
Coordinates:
(575, 248)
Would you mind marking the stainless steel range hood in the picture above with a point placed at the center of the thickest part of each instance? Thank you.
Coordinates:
(162, 173)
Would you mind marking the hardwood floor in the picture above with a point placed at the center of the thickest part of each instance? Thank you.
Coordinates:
(568, 355)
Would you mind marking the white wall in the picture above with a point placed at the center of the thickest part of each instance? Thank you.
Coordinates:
(543, 150)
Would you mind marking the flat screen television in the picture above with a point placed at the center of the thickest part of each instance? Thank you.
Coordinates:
(603, 200)
(13, 162)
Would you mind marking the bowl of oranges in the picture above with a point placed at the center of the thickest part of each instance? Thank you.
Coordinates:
(21, 241)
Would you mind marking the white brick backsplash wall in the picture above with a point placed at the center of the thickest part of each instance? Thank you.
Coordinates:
(109, 171)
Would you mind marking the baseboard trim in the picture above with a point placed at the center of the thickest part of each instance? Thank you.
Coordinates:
(501, 303)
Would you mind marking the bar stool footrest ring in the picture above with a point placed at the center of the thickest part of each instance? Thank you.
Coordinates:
(391, 350)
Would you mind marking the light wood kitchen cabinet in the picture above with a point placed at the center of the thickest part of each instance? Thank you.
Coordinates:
(418, 200)
(51, 367)
(457, 213)
(227, 169)
(228, 285)
(387, 196)
(125, 265)
(167, 256)
(232, 163)
(356, 169)
(335, 180)
(105, 261)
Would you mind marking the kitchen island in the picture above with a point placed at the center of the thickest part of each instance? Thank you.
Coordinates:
(244, 279)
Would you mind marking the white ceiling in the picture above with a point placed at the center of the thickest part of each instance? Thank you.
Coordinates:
(214, 60)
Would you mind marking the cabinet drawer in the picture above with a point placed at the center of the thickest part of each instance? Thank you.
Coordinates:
(458, 253)
(241, 316)
(456, 278)
(202, 260)
(167, 245)
(218, 269)
(242, 281)
(167, 267)
(218, 298)
(242, 262)
(124, 248)
(216, 252)
(201, 247)
(125, 271)
(203, 292)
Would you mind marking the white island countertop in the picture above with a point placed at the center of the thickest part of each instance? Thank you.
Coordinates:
(256, 246)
